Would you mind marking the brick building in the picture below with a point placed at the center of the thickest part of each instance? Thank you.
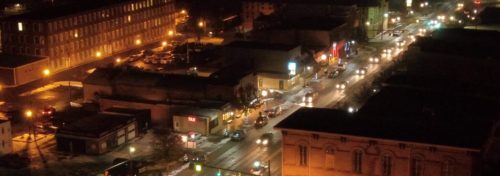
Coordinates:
(399, 132)
(81, 32)
(5, 137)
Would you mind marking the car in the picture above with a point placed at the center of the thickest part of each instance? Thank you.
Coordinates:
(48, 112)
(265, 139)
(361, 71)
(193, 136)
(273, 112)
(333, 74)
(308, 97)
(374, 60)
(238, 135)
(341, 66)
(259, 168)
(261, 121)
(341, 85)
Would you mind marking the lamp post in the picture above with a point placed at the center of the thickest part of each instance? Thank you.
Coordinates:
(29, 116)
(131, 151)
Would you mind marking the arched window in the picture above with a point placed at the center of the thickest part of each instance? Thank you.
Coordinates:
(357, 161)
(329, 157)
(386, 165)
(447, 168)
(416, 166)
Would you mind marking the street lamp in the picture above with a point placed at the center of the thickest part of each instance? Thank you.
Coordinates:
(29, 114)
(98, 54)
(46, 72)
(138, 42)
(164, 43)
(118, 60)
(264, 95)
(201, 24)
(170, 33)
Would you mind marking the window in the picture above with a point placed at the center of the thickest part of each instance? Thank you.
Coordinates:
(357, 161)
(303, 155)
(386, 165)
(329, 158)
(416, 168)
(447, 168)
(19, 26)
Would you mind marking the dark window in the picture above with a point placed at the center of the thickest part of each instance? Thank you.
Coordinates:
(447, 168)
(386, 165)
(303, 155)
(357, 161)
(416, 168)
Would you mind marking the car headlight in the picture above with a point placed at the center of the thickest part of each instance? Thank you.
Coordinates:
(265, 142)
(304, 99)
(309, 99)
(258, 141)
(342, 86)
(337, 86)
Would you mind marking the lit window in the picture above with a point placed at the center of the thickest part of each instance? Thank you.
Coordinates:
(19, 26)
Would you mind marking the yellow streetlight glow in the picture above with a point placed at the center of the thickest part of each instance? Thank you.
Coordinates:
(138, 42)
(118, 60)
(98, 54)
(201, 24)
(164, 43)
(76, 35)
(28, 113)
(46, 72)
(170, 33)
(183, 11)
(131, 149)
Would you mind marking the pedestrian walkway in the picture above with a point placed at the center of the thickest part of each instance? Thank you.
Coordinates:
(52, 86)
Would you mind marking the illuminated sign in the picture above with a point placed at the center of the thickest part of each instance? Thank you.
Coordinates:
(292, 67)
(192, 119)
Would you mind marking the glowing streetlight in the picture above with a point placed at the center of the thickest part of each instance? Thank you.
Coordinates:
(28, 114)
(138, 42)
(98, 54)
(264, 93)
(197, 168)
(183, 11)
(367, 23)
(118, 60)
(170, 33)
(131, 150)
(201, 24)
(323, 57)
(386, 15)
(164, 43)
(46, 72)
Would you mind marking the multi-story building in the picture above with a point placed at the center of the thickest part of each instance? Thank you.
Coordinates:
(399, 132)
(5, 137)
(365, 15)
(86, 31)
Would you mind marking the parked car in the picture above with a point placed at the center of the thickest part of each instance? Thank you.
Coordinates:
(48, 112)
(238, 135)
(308, 97)
(265, 139)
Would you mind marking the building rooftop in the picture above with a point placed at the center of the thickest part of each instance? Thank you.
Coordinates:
(361, 3)
(199, 112)
(70, 8)
(490, 15)
(13, 61)
(96, 125)
(406, 115)
(261, 45)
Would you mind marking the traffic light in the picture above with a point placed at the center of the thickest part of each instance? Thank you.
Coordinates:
(219, 173)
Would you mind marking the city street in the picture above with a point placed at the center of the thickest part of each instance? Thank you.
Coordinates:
(235, 158)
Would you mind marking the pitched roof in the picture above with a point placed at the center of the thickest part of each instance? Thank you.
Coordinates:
(13, 61)
(406, 115)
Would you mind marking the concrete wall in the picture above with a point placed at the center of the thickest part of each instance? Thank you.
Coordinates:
(23, 74)
(5, 138)
(183, 125)
(339, 161)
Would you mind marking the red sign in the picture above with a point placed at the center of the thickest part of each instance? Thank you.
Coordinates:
(192, 119)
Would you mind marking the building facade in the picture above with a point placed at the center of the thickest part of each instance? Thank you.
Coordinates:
(5, 137)
(87, 31)
(313, 153)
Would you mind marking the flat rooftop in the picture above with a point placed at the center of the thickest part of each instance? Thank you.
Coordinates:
(261, 45)
(406, 115)
(70, 8)
(96, 125)
(13, 61)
